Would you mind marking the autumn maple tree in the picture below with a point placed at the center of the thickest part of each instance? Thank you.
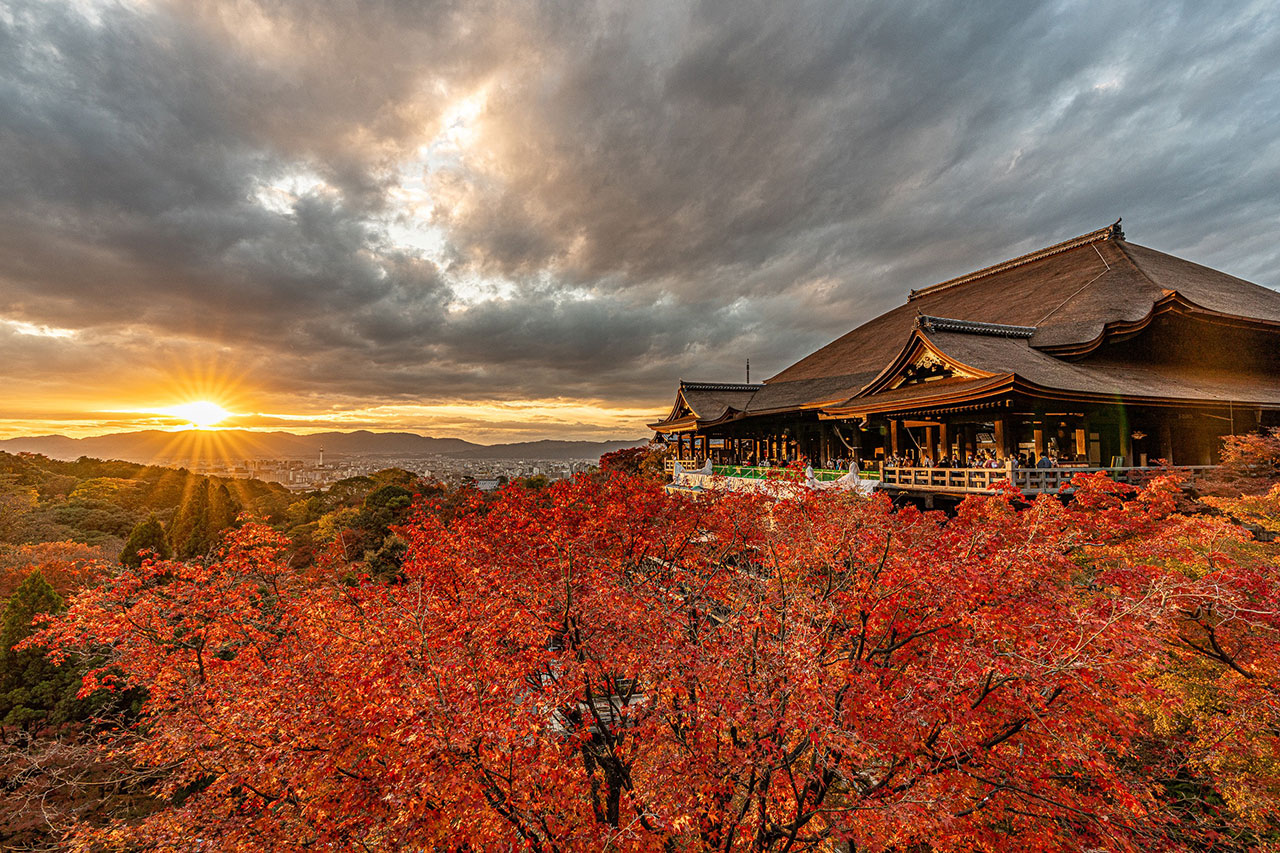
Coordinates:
(601, 665)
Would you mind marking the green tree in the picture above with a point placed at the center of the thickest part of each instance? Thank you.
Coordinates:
(16, 504)
(394, 476)
(352, 489)
(32, 688)
(147, 535)
(222, 509)
(393, 499)
(189, 531)
(535, 481)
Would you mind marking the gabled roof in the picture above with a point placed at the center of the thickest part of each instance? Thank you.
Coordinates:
(807, 393)
(702, 403)
(1019, 321)
(996, 363)
(1069, 292)
(1111, 232)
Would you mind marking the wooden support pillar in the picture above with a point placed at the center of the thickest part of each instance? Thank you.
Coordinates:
(895, 437)
(944, 441)
(855, 449)
(1082, 446)
(1038, 433)
(1002, 435)
(1166, 442)
(931, 442)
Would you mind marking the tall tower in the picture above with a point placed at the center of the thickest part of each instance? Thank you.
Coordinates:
(321, 465)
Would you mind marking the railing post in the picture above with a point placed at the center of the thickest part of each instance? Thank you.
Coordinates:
(1008, 471)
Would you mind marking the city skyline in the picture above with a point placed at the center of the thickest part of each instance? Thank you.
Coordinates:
(508, 221)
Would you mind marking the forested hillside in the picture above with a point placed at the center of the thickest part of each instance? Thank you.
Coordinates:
(99, 503)
(62, 516)
(70, 526)
(597, 664)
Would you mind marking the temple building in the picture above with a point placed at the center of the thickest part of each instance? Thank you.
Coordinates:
(1095, 351)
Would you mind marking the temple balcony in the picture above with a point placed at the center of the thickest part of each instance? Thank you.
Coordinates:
(960, 482)
(910, 481)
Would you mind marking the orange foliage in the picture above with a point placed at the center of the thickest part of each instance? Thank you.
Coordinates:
(600, 665)
(67, 566)
(1250, 464)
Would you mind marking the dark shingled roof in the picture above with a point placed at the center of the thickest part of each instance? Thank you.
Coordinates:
(1017, 317)
(925, 390)
(1069, 293)
(806, 392)
(710, 401)
(1009, 356)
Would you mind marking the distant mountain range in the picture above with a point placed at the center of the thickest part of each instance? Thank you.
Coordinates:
(150, 446)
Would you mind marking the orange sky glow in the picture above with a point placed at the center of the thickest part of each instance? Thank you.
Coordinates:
(215, 397)
(509, 223)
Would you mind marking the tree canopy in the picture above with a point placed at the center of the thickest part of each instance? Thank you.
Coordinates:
(147, 537)
(32, 687)
(601, 665)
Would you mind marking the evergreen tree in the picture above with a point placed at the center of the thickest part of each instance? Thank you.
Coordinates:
(222, 510)
(146, 536)
(32, 688)
(189, 532)
(206, 511)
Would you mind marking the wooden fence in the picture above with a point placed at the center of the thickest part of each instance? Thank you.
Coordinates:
(1030, 481)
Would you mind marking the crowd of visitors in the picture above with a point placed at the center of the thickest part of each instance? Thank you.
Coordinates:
(922, 459)
(980, 459)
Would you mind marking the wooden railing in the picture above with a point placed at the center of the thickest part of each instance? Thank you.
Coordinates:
(757, 472)
(962, 481)
(1030, 481)
(669, 464)
(754, 472)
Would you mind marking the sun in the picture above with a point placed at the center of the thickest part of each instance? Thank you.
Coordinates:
(200, 413)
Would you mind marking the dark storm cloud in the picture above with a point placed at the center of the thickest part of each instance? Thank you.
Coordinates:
(649, 190)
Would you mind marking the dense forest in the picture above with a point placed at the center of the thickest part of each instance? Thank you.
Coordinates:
(598, 664)
(68, 526)
(63, 516)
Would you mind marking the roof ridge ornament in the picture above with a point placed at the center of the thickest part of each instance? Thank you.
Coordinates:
(1111, 232)
(721, 386)
(972, 327)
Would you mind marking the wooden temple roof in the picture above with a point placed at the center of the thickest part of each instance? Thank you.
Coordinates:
(997, 365)
(1043, 318)
(703, 403)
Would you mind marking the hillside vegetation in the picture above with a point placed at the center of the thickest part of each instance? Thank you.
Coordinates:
(598, 664)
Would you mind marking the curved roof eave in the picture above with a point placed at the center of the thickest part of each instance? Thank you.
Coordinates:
(1171, 302)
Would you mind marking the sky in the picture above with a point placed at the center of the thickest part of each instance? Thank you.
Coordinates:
(506, 220)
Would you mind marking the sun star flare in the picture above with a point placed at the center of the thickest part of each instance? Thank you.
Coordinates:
(202, 414)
